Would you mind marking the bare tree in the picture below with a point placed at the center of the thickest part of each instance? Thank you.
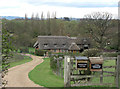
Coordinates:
(98, 27)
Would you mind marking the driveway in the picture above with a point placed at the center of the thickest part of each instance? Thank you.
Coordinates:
(18, 75)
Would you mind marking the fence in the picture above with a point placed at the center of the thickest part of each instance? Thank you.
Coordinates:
(58, 63)
(72, 78)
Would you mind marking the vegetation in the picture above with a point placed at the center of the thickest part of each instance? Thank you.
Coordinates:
(25, 31)
(18, 59)
(93, 52)
(39, 52)
(43, 75)
(98, 27)
(7, 49)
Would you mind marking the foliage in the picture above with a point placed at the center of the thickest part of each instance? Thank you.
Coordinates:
(53, 63)
(24, 49)
(98, 27)
(39, 52)
(7, 49)
(93, 52)
(25, 31)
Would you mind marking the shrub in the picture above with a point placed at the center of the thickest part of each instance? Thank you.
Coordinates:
(24, 49)
(39, 52)
(91, 52)
(53, 63)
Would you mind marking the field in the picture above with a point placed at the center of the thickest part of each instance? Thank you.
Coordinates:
(19, 59)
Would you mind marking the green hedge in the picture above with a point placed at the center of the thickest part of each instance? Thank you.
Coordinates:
(53, 63)
(93, 52)
(24, 50)
(39, 52)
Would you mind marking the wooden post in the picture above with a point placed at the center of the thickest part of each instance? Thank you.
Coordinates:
(58, 65)
(118, 72)
(62, 68)
(101, 76)
(67, 71)
(101, 73)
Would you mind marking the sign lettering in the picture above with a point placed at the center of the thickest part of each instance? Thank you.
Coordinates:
(81, 65)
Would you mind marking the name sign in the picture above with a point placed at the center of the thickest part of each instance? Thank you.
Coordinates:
(96, 66)
(81, 65)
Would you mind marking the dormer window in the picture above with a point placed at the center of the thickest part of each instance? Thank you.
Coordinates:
(45, 45)
(64, 45)
(55, 45)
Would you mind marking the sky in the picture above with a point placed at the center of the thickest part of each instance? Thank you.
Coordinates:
(63, 8)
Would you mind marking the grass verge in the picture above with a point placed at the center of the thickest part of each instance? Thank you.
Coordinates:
(43, 75)
(20, 61)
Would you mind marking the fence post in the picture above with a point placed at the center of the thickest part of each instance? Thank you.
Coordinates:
(101, 73)
(62, 68)
(58, 65)
(67, 71)
(118, 72)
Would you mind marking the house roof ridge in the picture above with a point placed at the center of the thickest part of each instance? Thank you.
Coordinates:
(52, 36)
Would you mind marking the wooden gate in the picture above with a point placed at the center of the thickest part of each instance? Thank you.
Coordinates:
(73, 78)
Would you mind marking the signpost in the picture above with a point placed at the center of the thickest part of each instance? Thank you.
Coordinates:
(96, 63)
(82, 63)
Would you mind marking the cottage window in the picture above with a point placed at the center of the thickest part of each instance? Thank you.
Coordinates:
(45, 45)
(63, 45)
(55, 45)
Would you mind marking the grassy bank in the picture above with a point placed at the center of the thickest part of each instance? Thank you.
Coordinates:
(19, 59)
(43, 75)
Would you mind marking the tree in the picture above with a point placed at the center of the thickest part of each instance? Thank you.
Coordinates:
(98, 27)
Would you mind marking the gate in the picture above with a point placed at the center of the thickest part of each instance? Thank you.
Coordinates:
(72, 76)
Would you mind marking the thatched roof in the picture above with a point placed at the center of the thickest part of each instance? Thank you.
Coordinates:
(59, 42)
(73, 46)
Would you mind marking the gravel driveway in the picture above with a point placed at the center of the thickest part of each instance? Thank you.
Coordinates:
(18, 75)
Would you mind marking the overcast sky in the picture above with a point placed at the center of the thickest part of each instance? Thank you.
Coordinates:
(63, 8)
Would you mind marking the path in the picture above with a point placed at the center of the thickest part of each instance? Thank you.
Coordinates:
(18, 75)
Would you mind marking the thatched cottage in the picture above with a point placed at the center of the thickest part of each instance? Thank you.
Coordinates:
(61, 43)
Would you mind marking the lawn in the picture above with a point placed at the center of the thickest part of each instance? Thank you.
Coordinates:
(43, 75)
(19, 59)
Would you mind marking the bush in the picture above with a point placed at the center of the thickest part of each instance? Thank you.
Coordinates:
(91, 52)
(53, 63)
(24, 49)
(39, 52)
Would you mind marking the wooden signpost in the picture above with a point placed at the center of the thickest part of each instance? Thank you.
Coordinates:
(81, 63)
(96, 63)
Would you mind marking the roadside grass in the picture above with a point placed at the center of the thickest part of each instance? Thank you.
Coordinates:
(19, 59)
(43, 75)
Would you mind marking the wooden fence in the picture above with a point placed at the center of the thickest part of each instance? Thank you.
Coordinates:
(59, 65)
(76, 78)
